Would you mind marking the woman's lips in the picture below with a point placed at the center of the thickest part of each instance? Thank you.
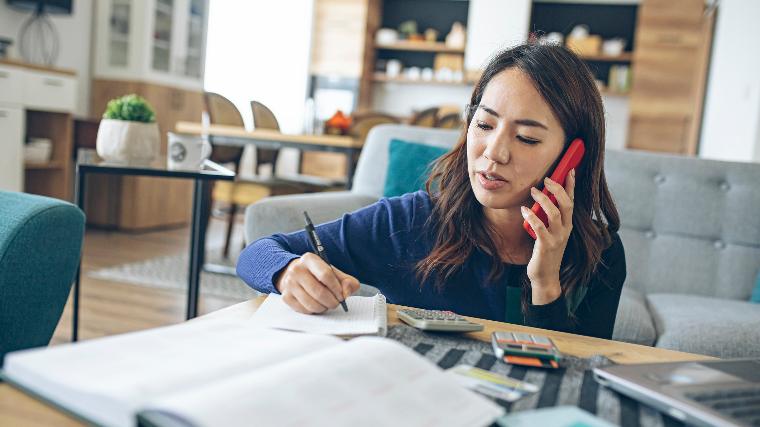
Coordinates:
(496, 182)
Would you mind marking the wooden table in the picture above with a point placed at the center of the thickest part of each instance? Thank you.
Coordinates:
(18, 409)
(265, 138)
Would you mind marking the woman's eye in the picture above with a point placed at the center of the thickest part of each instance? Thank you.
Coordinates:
(529, 141)
(483, 125)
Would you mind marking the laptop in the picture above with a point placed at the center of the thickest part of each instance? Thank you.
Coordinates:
(709, 393)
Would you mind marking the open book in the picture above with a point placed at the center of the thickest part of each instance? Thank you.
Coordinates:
(365, 316)
(225, 373)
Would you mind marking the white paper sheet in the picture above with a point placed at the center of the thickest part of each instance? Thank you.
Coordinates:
(367, 381)
(365, 316)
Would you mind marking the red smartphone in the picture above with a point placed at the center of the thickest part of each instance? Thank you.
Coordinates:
(570, 160)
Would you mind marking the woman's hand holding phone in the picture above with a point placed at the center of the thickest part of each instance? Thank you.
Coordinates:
(543, 268)
(308, 285)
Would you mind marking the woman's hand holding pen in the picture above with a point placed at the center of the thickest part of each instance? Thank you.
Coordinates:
(308, 285)
(545, 262)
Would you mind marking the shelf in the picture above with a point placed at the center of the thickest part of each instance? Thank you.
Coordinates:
(42, 166)
(382, 78)
(415, 46)
(624, 57)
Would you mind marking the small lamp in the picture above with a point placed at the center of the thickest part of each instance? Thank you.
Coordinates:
(38, 38)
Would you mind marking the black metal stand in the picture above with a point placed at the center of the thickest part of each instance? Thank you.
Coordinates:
(79, 197)
(201, 201)
(197, 245)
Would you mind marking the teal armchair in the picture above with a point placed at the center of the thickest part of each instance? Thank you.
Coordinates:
(40, 248)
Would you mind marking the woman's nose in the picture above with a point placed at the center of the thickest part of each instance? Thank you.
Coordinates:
(497, 151)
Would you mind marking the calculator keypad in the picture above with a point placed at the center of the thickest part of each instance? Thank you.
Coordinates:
(437, 320)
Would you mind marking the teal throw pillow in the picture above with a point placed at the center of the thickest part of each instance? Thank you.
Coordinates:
(756, 293)
(409, 166)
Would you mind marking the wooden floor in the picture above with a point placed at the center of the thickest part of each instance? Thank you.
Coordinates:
(108, 308)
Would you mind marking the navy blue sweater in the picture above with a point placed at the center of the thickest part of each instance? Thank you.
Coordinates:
(381, 243)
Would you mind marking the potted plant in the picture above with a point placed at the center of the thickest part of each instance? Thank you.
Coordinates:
(128, 131)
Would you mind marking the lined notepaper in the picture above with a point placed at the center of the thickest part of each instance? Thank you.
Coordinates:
(365, 316)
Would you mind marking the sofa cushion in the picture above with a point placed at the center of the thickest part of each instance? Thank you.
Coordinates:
(372, 166)
(409, 166)
(756, 293)
(633, 322)
(686, 223)
(696, 324)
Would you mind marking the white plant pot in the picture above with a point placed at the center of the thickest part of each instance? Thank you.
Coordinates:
(125, 141)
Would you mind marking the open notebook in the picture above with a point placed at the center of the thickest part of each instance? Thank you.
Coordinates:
(365, 316)
(223, 373)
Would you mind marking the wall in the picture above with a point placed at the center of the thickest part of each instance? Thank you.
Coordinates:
(74, 53)
(493, 25)
(616, 109)
(731, 124)
(260, 51)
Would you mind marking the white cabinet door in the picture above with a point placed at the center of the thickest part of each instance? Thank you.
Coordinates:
(49, 92)
(11, 147)
(493, 25)
(11, 85)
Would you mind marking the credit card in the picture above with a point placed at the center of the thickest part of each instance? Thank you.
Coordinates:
(531, 361)
(491, 384)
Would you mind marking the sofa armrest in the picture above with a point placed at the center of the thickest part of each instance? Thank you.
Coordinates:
(284, 214)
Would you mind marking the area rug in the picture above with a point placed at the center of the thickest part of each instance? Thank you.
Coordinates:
(170, 272)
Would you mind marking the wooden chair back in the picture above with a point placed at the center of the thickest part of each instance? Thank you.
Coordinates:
(263, 118)
(221, 111)
(450, 121)
(425, 118)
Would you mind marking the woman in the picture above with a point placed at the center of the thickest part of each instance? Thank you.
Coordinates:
(460, 244)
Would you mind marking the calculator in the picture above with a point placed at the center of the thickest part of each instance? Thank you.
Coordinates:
(525, 349)
(437, 320)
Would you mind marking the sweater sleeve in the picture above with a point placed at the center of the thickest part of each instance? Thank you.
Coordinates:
(368, 244)
(597, 311)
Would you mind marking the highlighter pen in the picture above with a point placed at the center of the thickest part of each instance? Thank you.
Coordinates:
(317, 245)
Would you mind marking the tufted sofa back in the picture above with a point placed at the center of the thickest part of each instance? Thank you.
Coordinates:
(372, 167)
(689, 225)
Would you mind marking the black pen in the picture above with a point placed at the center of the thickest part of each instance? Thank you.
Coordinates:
(317, 245)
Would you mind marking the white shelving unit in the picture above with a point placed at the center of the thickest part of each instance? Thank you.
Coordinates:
(155, 41)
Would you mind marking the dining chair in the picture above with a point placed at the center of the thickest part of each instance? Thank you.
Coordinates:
(425, 118)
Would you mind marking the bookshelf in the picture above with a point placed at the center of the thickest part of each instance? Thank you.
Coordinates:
(417, 46)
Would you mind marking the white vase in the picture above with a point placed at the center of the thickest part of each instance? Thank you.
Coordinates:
(125, 141)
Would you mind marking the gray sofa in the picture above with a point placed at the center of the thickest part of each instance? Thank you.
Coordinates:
(689, 226)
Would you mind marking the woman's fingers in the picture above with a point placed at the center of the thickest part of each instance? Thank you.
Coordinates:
(535, 222)
(324, 273)
(552, 213)
(563, 199)
(322, 294)
(570, 184)
(307, 301)
(293, 303)
(349, 283)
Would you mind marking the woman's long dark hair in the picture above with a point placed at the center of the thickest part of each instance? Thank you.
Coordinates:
(566, 84)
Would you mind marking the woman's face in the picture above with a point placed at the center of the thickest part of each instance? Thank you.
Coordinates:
(513, 140)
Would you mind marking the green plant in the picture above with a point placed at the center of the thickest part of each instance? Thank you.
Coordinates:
(132, 108)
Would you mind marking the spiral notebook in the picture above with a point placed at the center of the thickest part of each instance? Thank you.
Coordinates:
(365, 316)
